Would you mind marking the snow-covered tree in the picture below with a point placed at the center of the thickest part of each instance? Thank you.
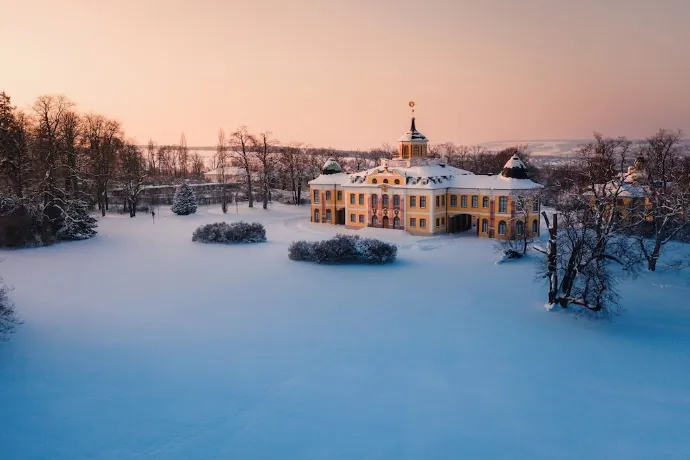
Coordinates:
(184, 201)
(77, 224)
(664, 212)
(133, 172)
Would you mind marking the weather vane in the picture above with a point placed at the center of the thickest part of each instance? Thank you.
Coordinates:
(411, 104)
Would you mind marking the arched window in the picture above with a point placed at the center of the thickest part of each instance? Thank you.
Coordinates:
(406, 151)
(374, 200)
(374, 221)
(502, 227)
(396, 222)
(535, 226)
(317, 215)
(396, 200)
(374, 181)
(328, 215)
(485, 202)
(384, 201)
(396, 181)
(503, 204)
(485, 226)
(519, 227)
(385, 181)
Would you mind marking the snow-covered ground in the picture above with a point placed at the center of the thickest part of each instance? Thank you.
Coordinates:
(139, 344)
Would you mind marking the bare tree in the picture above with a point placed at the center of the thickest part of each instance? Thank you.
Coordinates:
(242, 141)
(263, 152)
(103, 141)
(221, 163)
(666, 198)
(587, 237)
(133, 175)
(70, 132)
(15, 164)
(182, 156)
(151, 157)
(197, 166)
(526, 209)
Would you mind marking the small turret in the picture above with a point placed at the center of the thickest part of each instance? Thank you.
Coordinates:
(331, 167)
(515, 169)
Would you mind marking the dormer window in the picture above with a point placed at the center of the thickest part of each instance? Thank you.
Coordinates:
(385, 181)
(374, 181)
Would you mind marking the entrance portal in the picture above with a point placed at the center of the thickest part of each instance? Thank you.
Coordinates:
(385, 222)
(340, 217)
(459, 223)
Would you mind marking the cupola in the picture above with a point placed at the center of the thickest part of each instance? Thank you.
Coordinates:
(412, 144)
(331, 167)
(515, 169)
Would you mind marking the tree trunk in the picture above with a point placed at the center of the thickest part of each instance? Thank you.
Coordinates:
(552, 258)
(299, 194)
(651, 263)
(249, 190)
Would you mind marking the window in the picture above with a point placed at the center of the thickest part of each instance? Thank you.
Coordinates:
(535, 205)
(485, 202)
(535, 227)
(422, 202)
(396, 201)
(519, 227)
(520, 204)
(463, 201)
(353, 218)
(361, 218)
(422, 223)
(413, 201)
(453, 201)
(317, 215)
(485, 226)
(384, 198)
(413, 222)
(438, 201)
(340, 195)
(438, 222)
(352, 198)
(443, 200)
(396, 181)
(385, 181)
(328, 215)
(328, 196)
(374, 181)
(503, 205)
(406, 151)
(361, 198)
(396, 222)
(443, 221)
(316, 197)
(374, 221)
(475, 201)
(374, 200)
(502, 227)
(416, 150)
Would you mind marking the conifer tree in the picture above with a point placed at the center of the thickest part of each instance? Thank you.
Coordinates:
(184, 201)
(77, 224)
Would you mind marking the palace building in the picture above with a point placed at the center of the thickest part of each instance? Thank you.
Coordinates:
(425, 196)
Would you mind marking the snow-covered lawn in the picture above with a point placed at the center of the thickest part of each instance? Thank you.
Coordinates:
(139, 344)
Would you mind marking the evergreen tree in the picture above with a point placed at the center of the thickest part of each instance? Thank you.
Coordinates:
(184, 201)
(77, 224)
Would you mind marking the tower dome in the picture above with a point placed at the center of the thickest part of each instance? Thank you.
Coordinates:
(515, 169)
(413, 144)
(331, 167)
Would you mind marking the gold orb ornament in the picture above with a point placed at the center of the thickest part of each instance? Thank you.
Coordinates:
(411, 104)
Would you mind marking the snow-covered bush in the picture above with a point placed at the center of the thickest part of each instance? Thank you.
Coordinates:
(237, 232)
(8, 317)
(343, 249)
(184, 202)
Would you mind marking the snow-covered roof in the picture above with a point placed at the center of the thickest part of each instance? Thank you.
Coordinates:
(413, 135)
(229, 171)
(331, 167)
(620, 189)
(515, 169)
(428, 176)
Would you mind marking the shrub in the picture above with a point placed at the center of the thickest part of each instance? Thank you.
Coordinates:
(184, 201)
(343, 249)
(237, 232)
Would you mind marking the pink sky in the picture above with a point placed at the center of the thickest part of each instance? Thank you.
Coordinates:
(341, 72)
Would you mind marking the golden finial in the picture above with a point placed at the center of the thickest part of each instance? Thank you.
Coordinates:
(411, 104)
